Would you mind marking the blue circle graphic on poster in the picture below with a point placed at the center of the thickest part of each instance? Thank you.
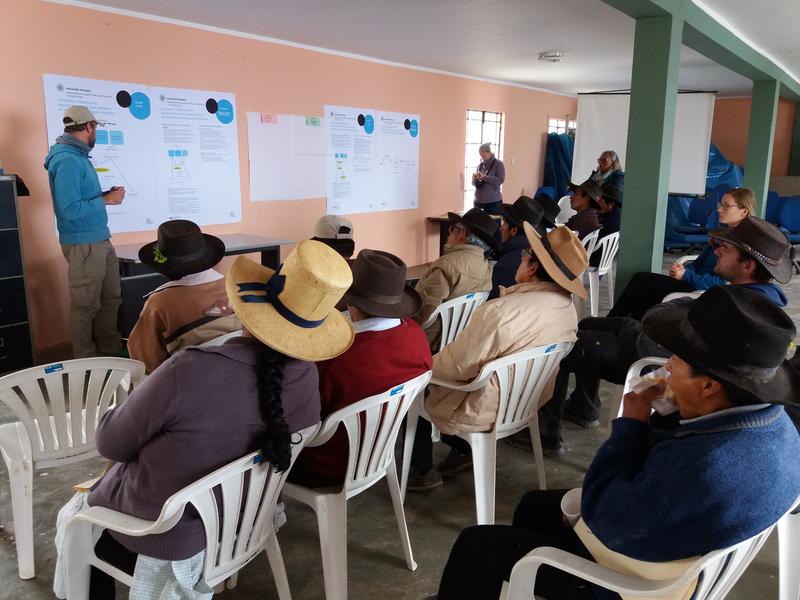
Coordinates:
(225, 111)
(369, 124)
(414, 129)
(140, 105)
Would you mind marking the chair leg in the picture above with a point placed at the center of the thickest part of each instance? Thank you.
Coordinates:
(20, 477)
(538, 453)
(399, 513)
(331, 512)
(78, 549)
(594, 292)
(484, 452)
(610, 281)
(408, 446)
(277, 567)
(789, 557)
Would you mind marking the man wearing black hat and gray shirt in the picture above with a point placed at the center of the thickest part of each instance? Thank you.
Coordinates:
(513, 241)
(192, 307)
(462, 269)
(585, 202)
(728, 472)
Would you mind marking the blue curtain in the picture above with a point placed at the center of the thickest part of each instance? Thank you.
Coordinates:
(558, 163)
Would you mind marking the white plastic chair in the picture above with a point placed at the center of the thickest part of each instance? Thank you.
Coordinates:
(521, 377)
(635, 370)
(221, 339)
(455, 314)
(236, 503)
(607, 246)
(590, 242)
(789, 556)
(58, 407)
(716, 573)
(372, 426)
(687, 258)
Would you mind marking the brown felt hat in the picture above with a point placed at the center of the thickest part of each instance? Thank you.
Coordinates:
(379, 286)
(293, 309)
(562, 255)
(181, 249)
(763, 241)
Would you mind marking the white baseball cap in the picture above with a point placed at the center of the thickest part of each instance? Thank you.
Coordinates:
(78, 115)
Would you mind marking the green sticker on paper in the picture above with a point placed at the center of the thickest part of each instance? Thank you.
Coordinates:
(313, 121)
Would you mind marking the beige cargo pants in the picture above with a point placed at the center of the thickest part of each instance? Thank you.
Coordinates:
(95, 298)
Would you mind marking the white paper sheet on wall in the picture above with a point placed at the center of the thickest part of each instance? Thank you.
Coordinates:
(287, 156)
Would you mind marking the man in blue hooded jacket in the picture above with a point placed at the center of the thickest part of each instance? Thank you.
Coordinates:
(80, 207)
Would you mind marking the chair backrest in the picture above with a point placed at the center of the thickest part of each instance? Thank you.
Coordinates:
(636, 370)
(61, 404)
(455, 314)
(590, 242)
(700, 207)
(221, 339)
(608, 246)
(789, 216)
(774, 204)
(235, 503)
(372, 425)
(521, 377)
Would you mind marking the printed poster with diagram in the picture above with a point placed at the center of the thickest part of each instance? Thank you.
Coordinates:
(174, 151)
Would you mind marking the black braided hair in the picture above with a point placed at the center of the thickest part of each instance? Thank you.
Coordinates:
(276, 447)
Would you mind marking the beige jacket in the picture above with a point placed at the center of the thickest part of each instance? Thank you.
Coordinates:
(462, 269)
(523, 317)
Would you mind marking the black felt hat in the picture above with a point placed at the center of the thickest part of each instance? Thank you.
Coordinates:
(763, 241)
(478, 223)
(551, 209)
(181, 249)
(523, 210)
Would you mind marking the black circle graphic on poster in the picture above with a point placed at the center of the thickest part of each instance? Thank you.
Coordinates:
(123, 99)
(407, 124)
(361, 120)
(211, 106)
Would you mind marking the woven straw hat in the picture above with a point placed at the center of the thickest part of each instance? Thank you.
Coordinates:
(293, 310)
(562, 255)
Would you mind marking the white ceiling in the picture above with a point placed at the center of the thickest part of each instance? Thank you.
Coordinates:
(493, 39)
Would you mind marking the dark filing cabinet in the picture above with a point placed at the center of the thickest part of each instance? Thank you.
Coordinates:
(16, 348)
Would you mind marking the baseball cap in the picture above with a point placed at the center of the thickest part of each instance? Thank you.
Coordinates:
(331, 227)
(78, 115)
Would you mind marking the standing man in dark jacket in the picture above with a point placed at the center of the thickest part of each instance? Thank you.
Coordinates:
(512, 237)
(80, 206)
(487, 180)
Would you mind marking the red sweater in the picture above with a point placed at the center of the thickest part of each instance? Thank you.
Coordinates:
(376, 361)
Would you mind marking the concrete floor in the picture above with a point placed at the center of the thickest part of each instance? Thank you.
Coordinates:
(376, 568)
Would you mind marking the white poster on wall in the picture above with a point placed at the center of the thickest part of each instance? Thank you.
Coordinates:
(287, 156)
(175, 151)
(398, 160)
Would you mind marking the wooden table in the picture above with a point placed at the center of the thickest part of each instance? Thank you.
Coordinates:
(138, 279)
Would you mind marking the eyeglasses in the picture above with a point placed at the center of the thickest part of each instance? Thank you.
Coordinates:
(721, 206)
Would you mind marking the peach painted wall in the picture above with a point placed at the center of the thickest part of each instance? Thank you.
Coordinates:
(732, 122)
(52, 38)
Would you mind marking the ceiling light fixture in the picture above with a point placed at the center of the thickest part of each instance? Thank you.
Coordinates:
(551, 56)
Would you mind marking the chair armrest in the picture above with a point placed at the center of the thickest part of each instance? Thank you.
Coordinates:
(122, 523)
(523, 575)
(473, 385)
(686, 259)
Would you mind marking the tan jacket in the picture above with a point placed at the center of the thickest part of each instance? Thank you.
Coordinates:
(462, 269)
(523, 317)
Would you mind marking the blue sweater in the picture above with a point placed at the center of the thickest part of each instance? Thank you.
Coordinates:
(715, 482)
(507, 264)
(700, 272)
(81, 215)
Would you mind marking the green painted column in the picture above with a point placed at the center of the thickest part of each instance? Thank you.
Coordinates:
(794, 153)
(758, 162)
(651, 121)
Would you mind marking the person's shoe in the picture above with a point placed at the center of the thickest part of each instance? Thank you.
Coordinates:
(421, 482)
(454, 463)
(520, 440)
(552, 446)
(580, 421)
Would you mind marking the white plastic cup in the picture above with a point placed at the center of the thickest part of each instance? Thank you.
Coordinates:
(571, 506)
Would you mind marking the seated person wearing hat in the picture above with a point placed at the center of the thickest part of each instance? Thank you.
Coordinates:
(336, 232)
(537, 311)
(749, 255)
(463, 268)
(726, 473)
(609, 215)
(585, 203)
(389, 349)
(513, 240)
(205, 407)
(192, 307)
(550, 208)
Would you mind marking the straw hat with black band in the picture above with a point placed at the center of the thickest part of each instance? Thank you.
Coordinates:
(763, 241)
(523, 210)
(479, 223)
(379, 286)
(736, 336)
(561, 255)
(293, 309)
(181, 249)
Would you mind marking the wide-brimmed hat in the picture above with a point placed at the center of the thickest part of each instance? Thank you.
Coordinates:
(735, 335)
(181, 249)
(763, 241)
(293, 309)
(562, 255)
(478, 223)
(612, 193)
(590, 187)
(523, 210)
(379, 286)
(551, 209)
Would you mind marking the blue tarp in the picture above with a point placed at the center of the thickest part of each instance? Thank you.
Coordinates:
(558, 163)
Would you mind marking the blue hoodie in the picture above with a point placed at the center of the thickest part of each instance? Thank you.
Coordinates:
(81, 215)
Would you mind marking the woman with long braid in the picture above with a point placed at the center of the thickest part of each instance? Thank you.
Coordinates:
(205, 407)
